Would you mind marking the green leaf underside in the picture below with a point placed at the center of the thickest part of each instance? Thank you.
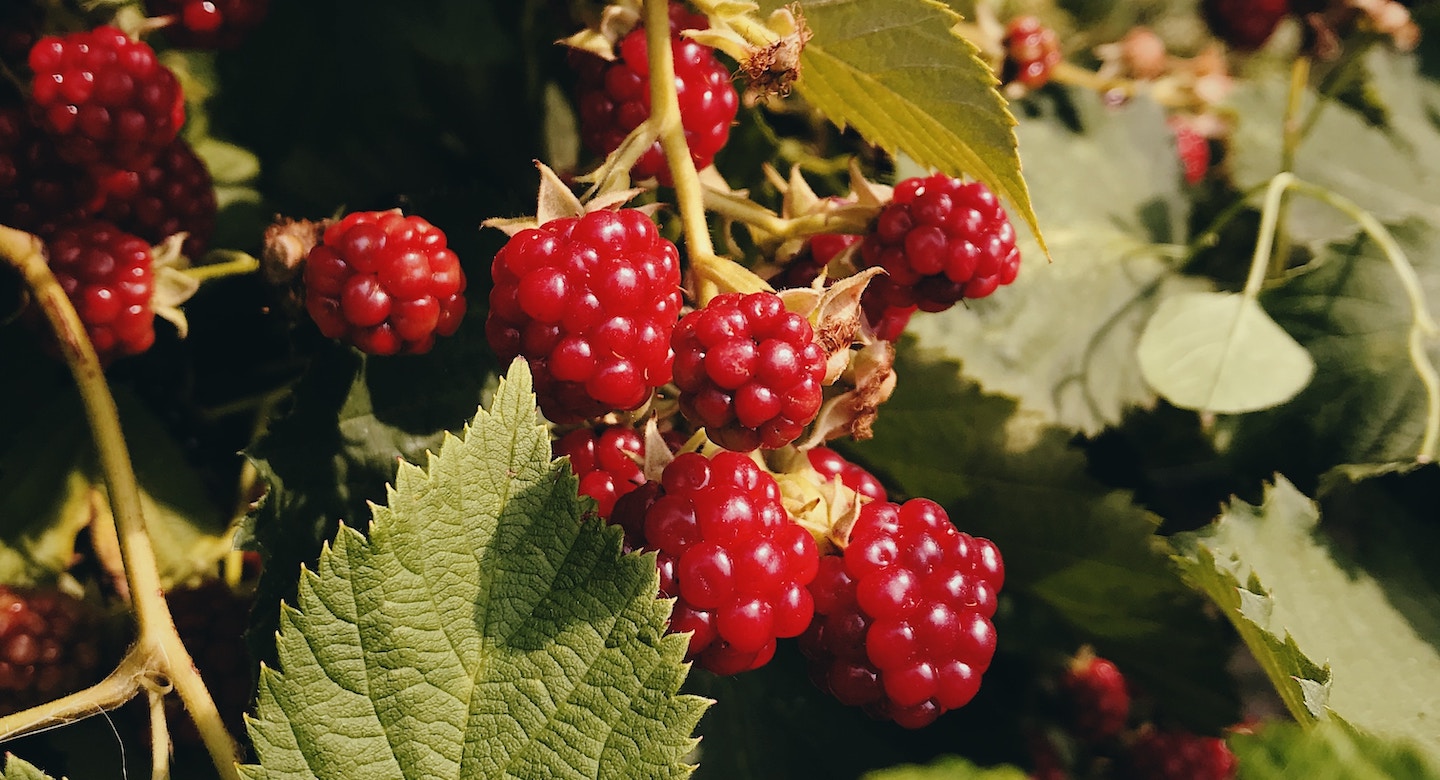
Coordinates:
(1326, 751)
(894, 71)
(1220, 352)
(17, 768)
(948, 768)
(1298, 603)
(481, 630)
(1062, 337)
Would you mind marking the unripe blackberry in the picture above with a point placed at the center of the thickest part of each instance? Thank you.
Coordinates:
(605, 462)
(1098, 697)
(173, 194)
(110, 279)
(1032, 51)
(1179, 755)
(38, 191)
(49, 647)
(749, 371)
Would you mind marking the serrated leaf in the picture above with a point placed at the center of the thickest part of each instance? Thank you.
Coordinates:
(948, 768)
(1325, 751)
(17, 768)
(894, 71)
(1070, 544)
(1220, 352)
(1300, 602)
(1062, 338)
(481, 630)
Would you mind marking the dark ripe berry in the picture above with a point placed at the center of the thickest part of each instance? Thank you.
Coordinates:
(614, 97)
(105, 99)
(749, 371)
(1032, 51)
(211, 620)
(210, 24)
(591, 302)
(109, 277)
(902, 617)
(606, 461)
(806, 266)
(729, 555)
(49, 647)
(830, 464)
(1193, 150)
(385, 283)
(939, 240)
(1245, 24)
(1098, 698)
(38, 190)
(173, 194)
(1179, 755)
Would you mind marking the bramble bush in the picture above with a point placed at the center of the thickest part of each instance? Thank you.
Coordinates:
(860, 388)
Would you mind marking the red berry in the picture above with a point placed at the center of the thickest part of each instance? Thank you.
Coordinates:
(902, 617)
(614, 97)
(939, 240)
(605, 460)
(1245, 24)
(729, 555)
(173, 194)
(38, 190)
(1193, 150)
(385, 283)
(109, 277)
(105, 99)
(748, 370)
(210, 24)
(48, 647)
(591, 302)
(1179, 755)
(830, 465)
(211, 620)
(1032, 51)
(1098, 697)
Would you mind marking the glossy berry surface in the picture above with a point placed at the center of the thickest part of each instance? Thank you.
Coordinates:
(902, 618)
(1098, 697)
(173, 194)
(606, 460)
(591, 303)
(38, 190)
(614, 97)
(1179, 755)
(1032, 51)
(385, 283)
(48, 647)
(830, 464)
(729, 555)
(939, 240)
(1245, 24)
(210, 24)
(105, 99)
(749, 371)
(110, 279)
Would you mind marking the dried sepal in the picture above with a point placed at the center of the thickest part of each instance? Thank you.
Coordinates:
(555, 200)
(871, 375)
(616, 21)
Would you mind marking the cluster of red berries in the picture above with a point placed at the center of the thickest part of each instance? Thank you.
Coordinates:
(1032, 51)
(49, 647)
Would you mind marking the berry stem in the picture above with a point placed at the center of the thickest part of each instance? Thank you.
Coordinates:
(117, 688)
(159, 734)
(157, 643)
(760, 218)
(235, 264)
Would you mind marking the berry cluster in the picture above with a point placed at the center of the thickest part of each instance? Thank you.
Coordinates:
(48, 647)
(1032, 51)
(107, 274)
(606, 461)
(906, 611)
(614, 96)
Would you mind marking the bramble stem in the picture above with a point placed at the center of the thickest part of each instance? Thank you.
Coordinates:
(157, 643)
(159, 734)
(118, 687)
(760, 218)
(239, 264)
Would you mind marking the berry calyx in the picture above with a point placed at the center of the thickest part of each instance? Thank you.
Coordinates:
(591, 303)
(48, 647)
(606, 461)
(1180, 755)
(749, 371)
(1245, 24)
(210, 24)
(1032, 51)
(939, 240)
(109, 276)
(902, 617)
(105, 99)
(737, 567)
(385, 283)
(614, 97)
(174, 193)
(1098, 697)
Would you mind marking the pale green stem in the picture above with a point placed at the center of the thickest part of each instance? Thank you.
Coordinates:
(750, 213)
(159, 734)
(118, 687)
(239, 265)
(157, 636)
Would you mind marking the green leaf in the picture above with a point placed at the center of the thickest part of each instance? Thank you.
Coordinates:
(1220, 352)
(1325, 751)
(948, 768)
(1070, 544)
(481, 630)
(895, 71)
(17, 768)
(1295, 596)
(1062, 338)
